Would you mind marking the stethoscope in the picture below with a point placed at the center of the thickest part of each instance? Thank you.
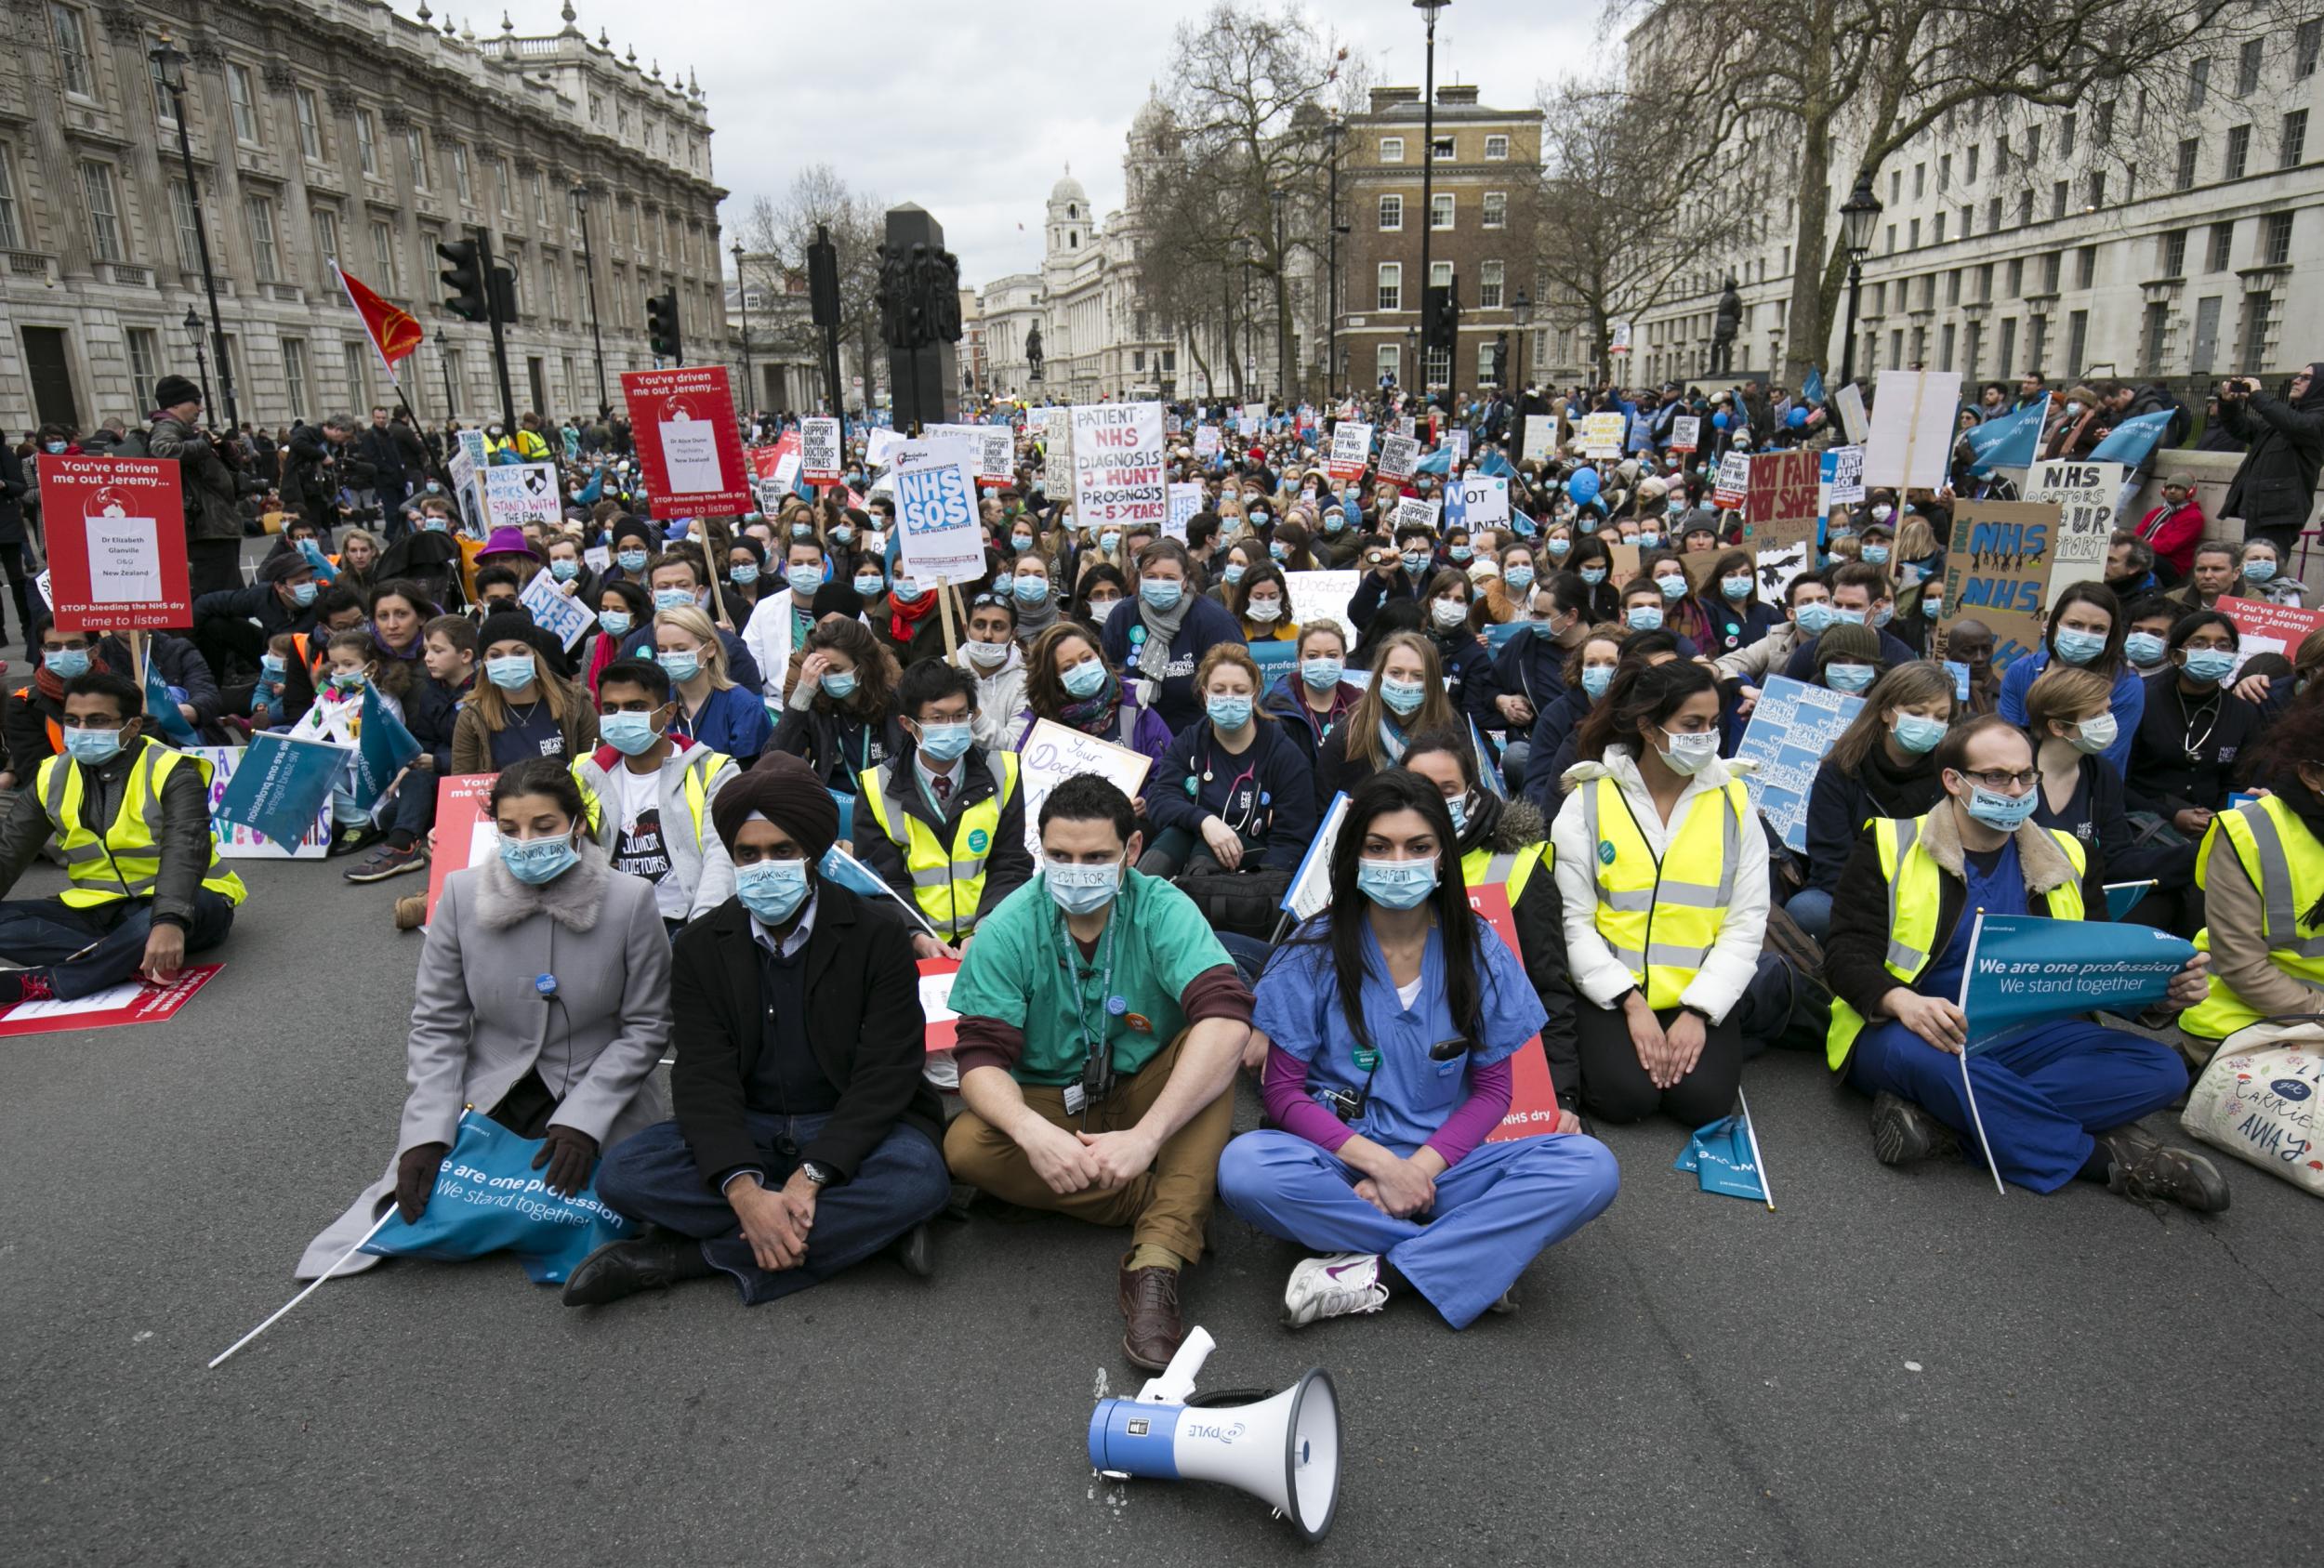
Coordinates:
(1249, 775)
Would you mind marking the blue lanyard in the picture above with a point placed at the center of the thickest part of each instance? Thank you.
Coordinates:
(1069, 959)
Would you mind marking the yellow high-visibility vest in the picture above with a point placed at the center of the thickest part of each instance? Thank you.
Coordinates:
(1662, 918)
(2286, 865)
(125, 859)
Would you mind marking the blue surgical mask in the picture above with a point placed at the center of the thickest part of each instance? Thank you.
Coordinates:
(1234, 572)
(631, 560)
(1736, 589)
(1672, 586)
(803, 579)
(746, 573)
(2210, 664)
(1876, 555)
(2258, 570)
(672, 598)
(1649, 539)
(1160, 594)
(681, 667)
(1882, 614)
(615, 622)
(1519, 578)
(433, 525)
(2077, 646)
(66, 663)
(945, 741)
(1085, 678)
(1852, 617)
(1847, 678)
(2007, 813)
(1595, 679)
(840, 685)
(1918, 733)
(2145, 648)
(1021, 541)
(1593, 575)
(303, 594)
(905, 589)
(269, 665)
(843, 535)
(1082, 890)
(1815, 616)
(536, 860)
(1645, 618)
(1228, 713)
(630, 733)
(1558, 549)
(1416, 562)
(1108, 540)
(802, 531)
(869, 584)
(564, 570)
(350, 679)
(1459, 552)
(772, 889)
(1396, 884)
(92, 747)
(1030, 590)
(1403, 697)
(1322, 673)
(512, 673)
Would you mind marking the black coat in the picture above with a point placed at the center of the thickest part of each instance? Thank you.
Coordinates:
(2162, 778)
(2275, 486)
(13, 485)
(864, 1021)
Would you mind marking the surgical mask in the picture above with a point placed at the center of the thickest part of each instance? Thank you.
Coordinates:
(1396, 884)
(1334, 523)
(1082, 890)
(1021, 541)
(1918, 733)
(564, 570)
(536, 860)
(1645, 618)
(947, 741)
(2210, 664)
(2258, 570)
(905, 589)
(802, 531)
(681, 667)
(1737, 588)
(631, 560)
(92, 747)
(1234, 572)
(2077, 647)
(772, 889)
(1519, 578)
(1228, 712)
(1259, 519)
(1108, 540)
(1448, 613)
(745, 575)
(2145, 649)
(1593, 575)
(55, 448)
(1558, 549)
(843, 535)
(510, 674)
(348, 680)
(303, 594)
(615, 622)
(1322, 673)
(1415, 561)
(1460, 552)
(1649, 539)
(1876, 555)
(1847, 678)
(1595, 679)
(2007, 813)
(840, 685)
(1404, 697)
(1084, 678)
(1690, 754)
(869, 584)
(2093, 736)
(987, 655)
(1263, 611)
(1160, 594)
(629, 733)
(1883, 512)
(1674, 587)
(1815, 616)
(269, 665)
(66, 663)
(433, 525)
(672, 598)
(1853, 617)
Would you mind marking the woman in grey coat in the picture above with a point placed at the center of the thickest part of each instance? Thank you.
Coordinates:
(542, 998)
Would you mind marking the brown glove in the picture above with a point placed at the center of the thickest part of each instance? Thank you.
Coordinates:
(569, 1154)
(416, 1179)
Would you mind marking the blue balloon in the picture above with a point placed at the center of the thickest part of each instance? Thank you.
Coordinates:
(1583, 486)
(1719, 420)
(1797, 418)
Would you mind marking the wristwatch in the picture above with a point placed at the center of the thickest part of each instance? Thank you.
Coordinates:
(821, 1175)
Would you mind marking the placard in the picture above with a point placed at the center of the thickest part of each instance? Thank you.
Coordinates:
(1997, 571)
(879, 447)
(1310, 890)
(1118, 465)
(1477, 501)
(464, 834)
(1323, 596)
(1780, 501)
(132, 1001)
(1792, 728)
(1351, 451)
(1185, 501)
(521, 496)
(564, 616)
(1254, 414)
(819, 461)
(994, 448)
(1849, 400)
(1841, 473)
(689, 446)
(1413, 512)
(1733, 485)
(1910, 446)
(237, 842)
(2084, 494)
(1540, 438)
(1398, 456)
(1533, 1109)
(2262, 627)
(1686, 432)
(116, 541)
(1206, 440)
(940, 538)
(1601, 435)
(1052, 752)
(1457, 443)
(944, 1025)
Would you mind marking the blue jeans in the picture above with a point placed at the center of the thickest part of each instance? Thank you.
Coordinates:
(1809, 909)
(902, 1182)
(89, 950)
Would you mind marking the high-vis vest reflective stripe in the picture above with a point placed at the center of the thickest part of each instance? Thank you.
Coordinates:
(1915, 891)
(56, 731)
(1662, 918)
(946, 888)
(125, 859)
(701, 762)
(1514, 870)
(2286, 865)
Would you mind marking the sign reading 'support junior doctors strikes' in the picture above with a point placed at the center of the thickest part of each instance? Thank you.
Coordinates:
(1117, 463)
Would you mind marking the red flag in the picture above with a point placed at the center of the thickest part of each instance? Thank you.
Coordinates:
(394, 332)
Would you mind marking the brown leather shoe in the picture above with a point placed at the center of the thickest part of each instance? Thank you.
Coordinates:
(1149, 1302)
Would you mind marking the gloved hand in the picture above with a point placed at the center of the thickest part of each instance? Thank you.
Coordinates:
(416, 1179)
(569, 1154)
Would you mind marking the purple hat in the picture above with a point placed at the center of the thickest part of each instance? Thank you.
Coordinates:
(508, 541)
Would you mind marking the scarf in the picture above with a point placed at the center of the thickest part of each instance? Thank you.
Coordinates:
(1161, 631)
(1095, 714)
(1392, 740)
(1910, 791)
(903, 620)
(51, 685)
(1035, 619)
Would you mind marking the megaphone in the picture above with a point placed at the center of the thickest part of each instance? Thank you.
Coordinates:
(1283, 1448)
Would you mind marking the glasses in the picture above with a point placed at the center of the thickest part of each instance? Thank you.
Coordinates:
(2002, 779)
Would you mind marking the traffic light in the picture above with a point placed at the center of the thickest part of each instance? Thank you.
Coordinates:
(661, 327)
(1440, 318)
(463, 279)
(505, 295)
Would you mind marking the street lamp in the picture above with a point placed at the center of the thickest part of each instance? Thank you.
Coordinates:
(588, 269)
(1857, 214)
(1283, 317)
(1243, 248)
(742, 291)
(169, 64)
(201, 366)
(1429, 9)
(1520, 316)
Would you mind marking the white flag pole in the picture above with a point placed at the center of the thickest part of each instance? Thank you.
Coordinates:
(909, 908)
(1968, 1091)
(1751, 1130)
(309, 1291)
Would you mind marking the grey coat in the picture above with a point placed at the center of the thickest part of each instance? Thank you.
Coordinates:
(206, 485)
(478, 1023)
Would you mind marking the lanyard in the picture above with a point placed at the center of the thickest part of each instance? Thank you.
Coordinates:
(1069, 959)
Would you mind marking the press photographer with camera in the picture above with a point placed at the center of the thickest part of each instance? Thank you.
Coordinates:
(2274, 489)
(211, 484)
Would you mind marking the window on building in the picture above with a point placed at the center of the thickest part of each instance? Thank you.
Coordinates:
(2248, 68)
(461, 180)
(2152, 333)
(2059, 195)
(2307, 43)
(2000, 155)
(2037, 341)
(1389, 360)
(1919, 180)
(1391, 286)
(1944, 173)
(2198, 82)
(188, 226)
(1890, 248)
(309, 125)
(2223, 240)
(1952, 286)
(1391, 213)
(1496, 208)
(1439, 366)
(355, 358)
(1496, 149)
(2238, 152)
(1896, 186)
(2182, 177)
(1484, 365)
(2259, 320)
(2015, 287)
(1440, 211)
(1489, 285)
(2077, 340)
(2086, 267)
(1443, 149)
(2025, 208)
(259, 211)
(327, 234)
(1914, 232)
(295, 374)
(2295, 144)
(242, 96)
(540, 199)
(2052, 270)
(145, 355)
(164, 106)
(1391, 150)
(1440, 274)
(1992, 214)
(2009, 345)
(501, 188)
(2203, 351)
(2033, 145)
(2174, 254)
(2276, 239)
(2096, 189)
(416, 149)
(1985, 284)
(104, 210)
(1969, 170)
(1937, 230)
(68, 30)
(2102, 122)
(11, 219)
(2065, 135)
(383, 258)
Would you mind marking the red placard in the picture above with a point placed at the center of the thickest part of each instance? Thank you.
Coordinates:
(944, 1025)
(116, 529)
(1782, 486)
(2286, 625)
(1533, 1109)
(130, 1002)
(461, 799)
(694, 471)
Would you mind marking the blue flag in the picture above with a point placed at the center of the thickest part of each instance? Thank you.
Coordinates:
(2130, 440)
(1494, 466)
(279, 789)
(163, 707)
(1720, 1155)
(2009, 441)
(1436, 462)
(383, 748)
(316, 559)
(488, 1198)
(2025, 969)
(1812, 389)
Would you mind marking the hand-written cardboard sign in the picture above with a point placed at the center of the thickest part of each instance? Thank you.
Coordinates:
(1601, 435)
(1052, 752)
(1322, 596)
(521, 496)
(1686, 432)
(2084, 494)
(1206, 440)
(1119, 464)
(1997, 571)
(1792, 727)
(1779, 500)
(116, 538)
(688, 442)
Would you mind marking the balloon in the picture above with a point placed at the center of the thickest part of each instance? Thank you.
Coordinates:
(1797, 418)
(1719, 420)
(1583, 486)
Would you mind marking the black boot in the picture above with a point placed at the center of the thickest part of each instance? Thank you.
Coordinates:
(624, 1267)
(2140, 1166)
(915, 1251)
(1904, 1134)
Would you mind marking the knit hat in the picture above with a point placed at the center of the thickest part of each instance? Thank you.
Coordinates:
(171, 390)
(786, 791)
(1846, 642)
(515, 626)
(1652, 490)
(630, 528)
(837, 597)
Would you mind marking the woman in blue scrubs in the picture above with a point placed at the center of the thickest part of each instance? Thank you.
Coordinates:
(1389, 1024)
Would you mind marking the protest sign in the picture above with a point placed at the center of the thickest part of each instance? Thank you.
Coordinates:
(1910, 445)
(1849, 400)
(1310, 884)
(1481, 501)
(491, 1196)
(1411, 511)
(1792, 728)
(2262, 627)
(944, 1025)
(767, 490)
(1540, 438)
(940, 539)
(1777, 567)
(465, 836)
(516, 494)
(281, 786)
(1844, 476)
(1351, 451)
(237, 842)
(1532, 1108)
(689, 446)
(1686, 432)
(1118, 465)
(1457, 443)
(1397, 454)
(2084, 495)
(116, 542)
(1323, 596)
(2025, 969)
(1052, 754)
(995, 449)
(1997, 571)
(597, 557)
(1731, 485)
(1601, 435)
(819, 461)
(1255, 414)
(132, 1001)
(1185, 501)
(1623, 567)
(564, 616)
(1206, 440)
(1780, 504)
(879, 447)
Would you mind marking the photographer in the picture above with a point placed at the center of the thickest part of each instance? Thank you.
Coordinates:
(211, 487)
(323, 465)
(2274, 489)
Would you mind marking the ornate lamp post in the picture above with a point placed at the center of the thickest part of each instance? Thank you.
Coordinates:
(1857, 214)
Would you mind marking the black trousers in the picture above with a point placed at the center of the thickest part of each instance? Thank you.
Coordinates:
(1615, 1086)
(213, 566)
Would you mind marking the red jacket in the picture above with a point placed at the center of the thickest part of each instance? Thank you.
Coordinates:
(2174, 532)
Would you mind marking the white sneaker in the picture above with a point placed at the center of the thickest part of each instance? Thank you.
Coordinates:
(1335, 1285)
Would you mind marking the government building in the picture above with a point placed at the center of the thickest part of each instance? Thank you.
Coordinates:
(336, 128)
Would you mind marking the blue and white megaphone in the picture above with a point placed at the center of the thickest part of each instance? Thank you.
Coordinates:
(1284, 1448)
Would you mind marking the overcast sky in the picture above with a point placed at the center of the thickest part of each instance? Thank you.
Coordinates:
(973, 111)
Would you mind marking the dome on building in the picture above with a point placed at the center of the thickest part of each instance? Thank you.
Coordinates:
(1069, 190)
(1152, 123)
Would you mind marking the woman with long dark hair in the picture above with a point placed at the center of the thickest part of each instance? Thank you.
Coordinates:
(2086, 629)
(1388, 1022)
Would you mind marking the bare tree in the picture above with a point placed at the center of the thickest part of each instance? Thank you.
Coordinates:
(1839, 79)
(776, 236)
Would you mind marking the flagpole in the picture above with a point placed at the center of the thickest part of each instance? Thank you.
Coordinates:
(1967, 1089)
(1751, 1130)
(295, 1301)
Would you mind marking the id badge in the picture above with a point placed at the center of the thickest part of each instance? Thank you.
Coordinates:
(1075, 1099)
